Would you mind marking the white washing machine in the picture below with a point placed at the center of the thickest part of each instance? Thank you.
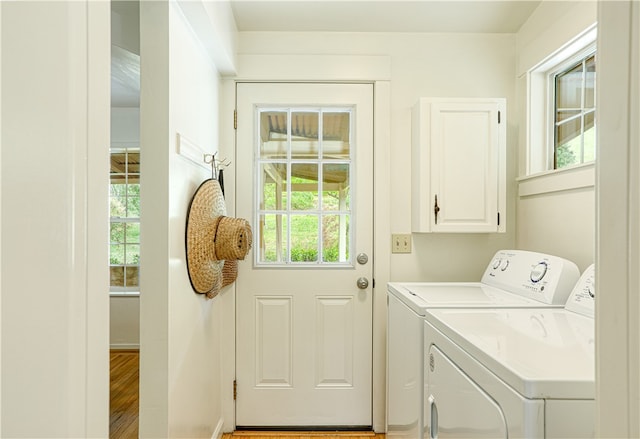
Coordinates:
(512, 373)
(513, 279)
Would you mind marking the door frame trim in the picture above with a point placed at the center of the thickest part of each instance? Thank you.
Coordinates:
(375, 70)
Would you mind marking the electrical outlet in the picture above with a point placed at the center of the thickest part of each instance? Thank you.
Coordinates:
(401, 243)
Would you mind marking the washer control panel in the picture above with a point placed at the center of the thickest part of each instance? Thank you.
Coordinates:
(546, 278)
(583, 297)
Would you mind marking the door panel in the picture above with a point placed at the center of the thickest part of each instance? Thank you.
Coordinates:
(273, 343)
(334, 342)
(304, 328)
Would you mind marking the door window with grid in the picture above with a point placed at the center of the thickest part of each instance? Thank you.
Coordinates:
(304, 164)
(124, 229)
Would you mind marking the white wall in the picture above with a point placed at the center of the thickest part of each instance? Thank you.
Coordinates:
(566, 200)
(55, 131)
(125, 126)
(125, 19)
(180, 384)
(124, 321)
(438, 65)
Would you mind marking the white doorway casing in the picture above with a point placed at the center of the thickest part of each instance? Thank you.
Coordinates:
(618, 221)
(55, 161)
(365, 69)
(304, 330)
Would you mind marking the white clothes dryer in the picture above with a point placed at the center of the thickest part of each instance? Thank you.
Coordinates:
(512, 373)
(512, 279)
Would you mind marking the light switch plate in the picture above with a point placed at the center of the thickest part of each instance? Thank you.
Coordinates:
(401, 243)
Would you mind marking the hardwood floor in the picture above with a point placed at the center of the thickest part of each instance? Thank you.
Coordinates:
(123, 405)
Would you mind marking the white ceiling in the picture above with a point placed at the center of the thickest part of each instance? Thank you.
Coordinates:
(125, 78)
(497, 16)
(125, 53)
(501, 16)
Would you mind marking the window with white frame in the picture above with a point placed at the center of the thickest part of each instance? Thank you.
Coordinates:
(124, 229)
(561, 131)
(574, 113)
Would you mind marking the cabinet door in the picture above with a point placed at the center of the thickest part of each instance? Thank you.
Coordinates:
(465, 158)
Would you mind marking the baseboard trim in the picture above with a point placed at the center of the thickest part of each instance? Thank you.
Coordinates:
(124, 346)
(217, 432)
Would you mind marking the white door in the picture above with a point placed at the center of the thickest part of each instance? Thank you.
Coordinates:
(304, 325)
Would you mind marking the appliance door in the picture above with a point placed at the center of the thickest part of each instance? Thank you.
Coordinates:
(456, 407)
(404, 371)
(464, 399)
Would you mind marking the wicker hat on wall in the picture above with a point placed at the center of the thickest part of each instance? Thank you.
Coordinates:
(213, 240)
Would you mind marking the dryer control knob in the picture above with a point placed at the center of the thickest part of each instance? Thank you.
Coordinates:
(589, 291)
(539, 271)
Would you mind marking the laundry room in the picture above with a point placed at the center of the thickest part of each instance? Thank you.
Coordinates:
(409, 66)
(218, 81)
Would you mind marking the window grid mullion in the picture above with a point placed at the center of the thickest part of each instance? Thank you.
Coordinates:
(556, 112)
(292, 160)
(320, 186)
(289, 192)
(126, 212)
(583, 90)
(568, 119)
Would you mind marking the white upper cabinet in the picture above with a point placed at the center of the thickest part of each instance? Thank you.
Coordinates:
(459, 165)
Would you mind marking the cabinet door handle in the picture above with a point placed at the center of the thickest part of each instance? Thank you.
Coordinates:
(436, 209)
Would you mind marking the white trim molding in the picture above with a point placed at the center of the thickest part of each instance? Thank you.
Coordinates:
(217, 432)
(339, 68)
(618, 221)
(540, 98)
(318, 68)
(576, 177)
(125, 346)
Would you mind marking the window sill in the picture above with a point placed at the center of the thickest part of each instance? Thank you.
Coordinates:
(124, 293)
(575, 177)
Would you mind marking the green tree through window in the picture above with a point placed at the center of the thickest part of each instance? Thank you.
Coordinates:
(304, 162)
(575, 114)
(124, 229)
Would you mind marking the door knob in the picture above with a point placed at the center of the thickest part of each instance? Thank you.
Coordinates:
(363, 283)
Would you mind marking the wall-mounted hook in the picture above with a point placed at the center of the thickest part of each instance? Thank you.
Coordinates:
(210, 159)
(225, 162)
